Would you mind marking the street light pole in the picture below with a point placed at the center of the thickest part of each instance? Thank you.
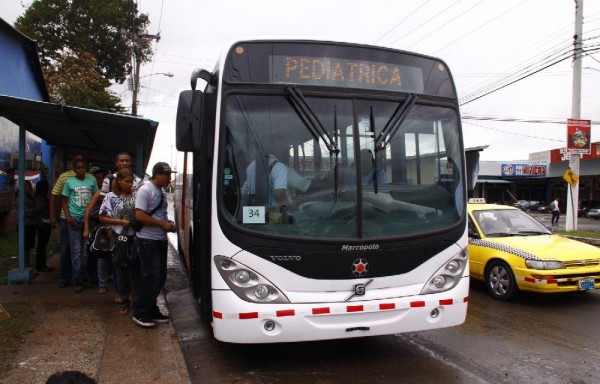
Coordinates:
(135, 86)
(137, 58)
(573, 192)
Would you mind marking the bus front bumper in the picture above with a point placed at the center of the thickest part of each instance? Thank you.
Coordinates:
(238, 321)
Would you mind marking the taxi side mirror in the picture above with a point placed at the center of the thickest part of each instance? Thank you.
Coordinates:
(472, 232)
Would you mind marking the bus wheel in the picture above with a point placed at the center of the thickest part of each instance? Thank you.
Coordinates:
(500, 281)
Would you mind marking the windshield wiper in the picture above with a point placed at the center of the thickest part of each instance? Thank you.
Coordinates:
(501, 234)
(375, 170)
(310, 119)
(534, 232)
(391, 127)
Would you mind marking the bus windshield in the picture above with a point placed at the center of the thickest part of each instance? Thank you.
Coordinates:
(307, 165)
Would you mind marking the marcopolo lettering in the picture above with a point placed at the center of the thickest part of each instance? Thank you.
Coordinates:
(366, 247)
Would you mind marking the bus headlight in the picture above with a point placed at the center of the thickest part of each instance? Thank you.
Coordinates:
(242, 277)
(248, 284)
(448, 276)
(261, 291)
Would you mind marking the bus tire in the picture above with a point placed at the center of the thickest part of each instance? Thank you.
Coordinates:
(500, 281)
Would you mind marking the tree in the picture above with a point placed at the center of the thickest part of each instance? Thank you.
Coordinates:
(84, 45)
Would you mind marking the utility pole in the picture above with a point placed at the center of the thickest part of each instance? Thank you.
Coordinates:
(137, 58)
(573, 192)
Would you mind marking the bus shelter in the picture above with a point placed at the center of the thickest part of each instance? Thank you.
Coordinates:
(95, 134)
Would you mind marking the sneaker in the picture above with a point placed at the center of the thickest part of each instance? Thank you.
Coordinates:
(118, 300)
(160, 318)
(144, 321)
(78, 288)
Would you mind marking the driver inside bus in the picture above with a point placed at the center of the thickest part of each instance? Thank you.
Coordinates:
(277, 181)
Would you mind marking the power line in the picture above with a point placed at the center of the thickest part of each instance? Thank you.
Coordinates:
(403, 20)
(524, 76)
(427, 21)
(443, 25)
(481, 26)
(518, 120)
(514, 133)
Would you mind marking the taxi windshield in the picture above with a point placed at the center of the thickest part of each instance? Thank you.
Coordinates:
(508, 222)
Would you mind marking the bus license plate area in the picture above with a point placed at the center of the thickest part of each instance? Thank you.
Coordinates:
(586, 284)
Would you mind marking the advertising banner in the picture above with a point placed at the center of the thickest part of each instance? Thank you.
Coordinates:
(579, 134)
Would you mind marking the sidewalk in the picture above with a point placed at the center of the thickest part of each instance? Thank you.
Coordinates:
(85, 332)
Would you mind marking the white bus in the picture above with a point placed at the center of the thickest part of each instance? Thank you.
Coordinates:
(323, 192)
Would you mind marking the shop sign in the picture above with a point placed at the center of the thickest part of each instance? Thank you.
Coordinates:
(524, 170)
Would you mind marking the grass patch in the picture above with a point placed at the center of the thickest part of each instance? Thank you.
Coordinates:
(13, 330)
(9, 252)
(587, 233)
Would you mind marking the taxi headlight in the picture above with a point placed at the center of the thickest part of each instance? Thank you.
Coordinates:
(540, 264)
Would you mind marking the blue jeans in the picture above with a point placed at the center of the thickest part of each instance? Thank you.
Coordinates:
(149, 275)
(65, 252)
(104, 270)
(78, 246)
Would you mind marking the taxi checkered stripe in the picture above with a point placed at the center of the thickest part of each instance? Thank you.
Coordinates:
(503, 248)
(544, 281)
(337, 310)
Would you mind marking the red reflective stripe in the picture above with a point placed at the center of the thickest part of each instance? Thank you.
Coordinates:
(466, 299)
(446, 302)
(529, 280)
(286, 312)
(386, 306)
(320, 311)
(218, 315)
(417, 304)
(249, 315)
(553, 281)
(354, 308)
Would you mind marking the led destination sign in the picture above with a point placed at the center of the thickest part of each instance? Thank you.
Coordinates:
(346, 73)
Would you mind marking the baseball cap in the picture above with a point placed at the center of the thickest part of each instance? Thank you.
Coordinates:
(161, 167)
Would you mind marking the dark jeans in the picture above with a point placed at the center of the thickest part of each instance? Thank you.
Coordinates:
(65, 252)
(43, 236)
(149, 275)
(555, 217)
(124, 279)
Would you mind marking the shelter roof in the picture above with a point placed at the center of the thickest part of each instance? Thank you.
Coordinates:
(95, 134)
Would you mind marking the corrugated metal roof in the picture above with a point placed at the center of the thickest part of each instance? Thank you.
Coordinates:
(95, 134)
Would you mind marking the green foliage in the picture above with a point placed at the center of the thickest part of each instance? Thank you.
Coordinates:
(582, 233)
(84, 45)
(9, 252)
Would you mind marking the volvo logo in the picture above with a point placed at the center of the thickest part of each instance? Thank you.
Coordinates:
(360, 267)
(359, 289)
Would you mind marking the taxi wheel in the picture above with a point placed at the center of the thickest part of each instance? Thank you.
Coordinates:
(500, 281)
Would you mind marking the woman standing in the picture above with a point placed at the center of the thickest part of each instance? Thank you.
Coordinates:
(115, 212)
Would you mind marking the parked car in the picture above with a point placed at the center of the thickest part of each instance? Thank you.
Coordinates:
(525, 205)
(593, 213)
(539, 206)
(511, 251)
(586, 205)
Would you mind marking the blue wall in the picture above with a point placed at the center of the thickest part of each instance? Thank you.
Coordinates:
(19, 78)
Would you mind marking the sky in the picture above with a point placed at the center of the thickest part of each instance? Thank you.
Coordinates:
(486, 44)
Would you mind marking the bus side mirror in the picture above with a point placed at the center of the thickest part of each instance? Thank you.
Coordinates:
(188, 127)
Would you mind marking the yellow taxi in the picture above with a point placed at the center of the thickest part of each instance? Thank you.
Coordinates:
(511, 251)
